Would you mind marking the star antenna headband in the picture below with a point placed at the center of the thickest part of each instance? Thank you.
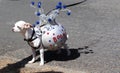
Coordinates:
(51, 15)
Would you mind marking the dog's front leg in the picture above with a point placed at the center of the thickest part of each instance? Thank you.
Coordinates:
(33, 56)
(41, 56)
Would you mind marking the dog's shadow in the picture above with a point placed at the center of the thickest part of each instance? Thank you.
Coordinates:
(75, 53)
(49, 56)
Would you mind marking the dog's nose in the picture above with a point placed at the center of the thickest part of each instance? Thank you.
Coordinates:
(12, 29)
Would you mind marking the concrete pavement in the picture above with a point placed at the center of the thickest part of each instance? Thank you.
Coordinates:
(93, 28)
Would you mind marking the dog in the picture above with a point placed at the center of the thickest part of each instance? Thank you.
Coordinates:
(42, 38)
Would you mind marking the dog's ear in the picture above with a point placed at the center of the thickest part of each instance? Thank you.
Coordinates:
(27, 25)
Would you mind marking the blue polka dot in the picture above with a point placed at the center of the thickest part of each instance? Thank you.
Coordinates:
(53, 33)
(49, 40)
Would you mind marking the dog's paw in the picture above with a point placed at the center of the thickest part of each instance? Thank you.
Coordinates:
(41, 64)
(31, 62)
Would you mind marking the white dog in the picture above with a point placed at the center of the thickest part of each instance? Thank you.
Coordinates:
(35, 40)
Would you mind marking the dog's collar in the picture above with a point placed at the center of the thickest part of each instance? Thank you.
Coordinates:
(31, 39)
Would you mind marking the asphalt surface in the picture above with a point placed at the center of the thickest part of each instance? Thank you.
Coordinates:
(93, 28)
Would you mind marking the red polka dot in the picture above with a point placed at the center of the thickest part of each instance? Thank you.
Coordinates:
(61, 36)
(58, 36)
(47, 33)
(50, 45)
(55, 39)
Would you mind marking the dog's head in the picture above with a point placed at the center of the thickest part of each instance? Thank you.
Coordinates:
(20, 26)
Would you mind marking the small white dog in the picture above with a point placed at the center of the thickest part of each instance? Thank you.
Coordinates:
(34, 39)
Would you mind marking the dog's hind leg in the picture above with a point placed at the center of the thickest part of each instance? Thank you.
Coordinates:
(67, 48)
(58, 51)
(33, 56)
(41, 56)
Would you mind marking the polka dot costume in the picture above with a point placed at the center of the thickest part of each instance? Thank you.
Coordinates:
(53, 36)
